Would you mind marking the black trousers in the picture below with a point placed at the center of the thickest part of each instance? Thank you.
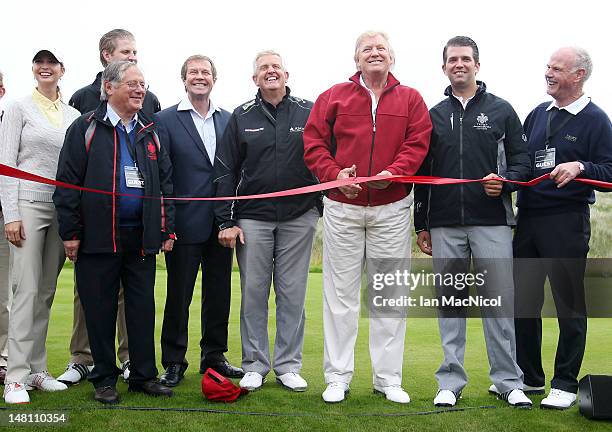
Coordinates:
(98, 277)
(182, 265)
(561, 243)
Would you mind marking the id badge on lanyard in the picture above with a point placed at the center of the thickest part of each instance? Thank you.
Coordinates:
(545, 159)
(133, 177)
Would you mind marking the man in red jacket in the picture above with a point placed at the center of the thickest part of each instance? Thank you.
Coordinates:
(368, 126)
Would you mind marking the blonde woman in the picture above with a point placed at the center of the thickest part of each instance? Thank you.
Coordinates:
(31, 137)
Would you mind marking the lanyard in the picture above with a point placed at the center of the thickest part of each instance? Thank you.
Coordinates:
(550, 133)
(131, 147)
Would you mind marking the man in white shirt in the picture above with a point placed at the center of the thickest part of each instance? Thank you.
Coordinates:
(569, 137)
(190, 131)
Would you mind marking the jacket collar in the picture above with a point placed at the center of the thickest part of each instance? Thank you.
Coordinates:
(144, 124)
(482, 87)
(391, 80)
(98, 81)
(267, 107)
(260, 98)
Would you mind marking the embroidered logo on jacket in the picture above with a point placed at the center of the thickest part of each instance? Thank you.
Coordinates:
(571, 138)
(151, 154)
(481, 122)
(296, 129)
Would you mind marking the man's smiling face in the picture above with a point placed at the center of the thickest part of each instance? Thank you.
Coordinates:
(270, 73)
(374, 56)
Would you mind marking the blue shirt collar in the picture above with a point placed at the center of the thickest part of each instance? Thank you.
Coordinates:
(114, 118)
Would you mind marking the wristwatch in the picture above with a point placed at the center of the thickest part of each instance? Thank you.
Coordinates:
(581, 166)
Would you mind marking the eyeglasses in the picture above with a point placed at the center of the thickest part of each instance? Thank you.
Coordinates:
(133, 85)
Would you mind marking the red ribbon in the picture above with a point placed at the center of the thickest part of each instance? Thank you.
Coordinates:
(23, 175)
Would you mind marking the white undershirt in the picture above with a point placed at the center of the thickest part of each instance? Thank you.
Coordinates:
(462, 101)
(373, 96)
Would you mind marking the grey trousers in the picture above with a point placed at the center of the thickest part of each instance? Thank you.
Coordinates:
(278, 251)
(4, 293)
(35, 267)
(490, 247)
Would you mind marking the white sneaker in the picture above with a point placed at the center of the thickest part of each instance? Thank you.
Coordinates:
(125, 367)
(335, 392)
(558, 399)
(516, 398)
(292, 381)
(445, 398)
(393, 393)
(252, 381)
(15, 393)
(74, 373)
(45, 382)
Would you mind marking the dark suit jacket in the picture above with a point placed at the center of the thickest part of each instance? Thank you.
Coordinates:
(192, 171)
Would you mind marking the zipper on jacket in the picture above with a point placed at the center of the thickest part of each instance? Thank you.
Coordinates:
(461, 112)
(268, 113)
(237, 189)
(114, 192)
(274, 123)
(372, 149)
(163, 216)
(374, 127)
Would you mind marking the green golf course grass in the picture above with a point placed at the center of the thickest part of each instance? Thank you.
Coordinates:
(274, 408)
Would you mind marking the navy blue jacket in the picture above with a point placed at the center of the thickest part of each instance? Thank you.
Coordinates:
(192, 171)
(587, 138)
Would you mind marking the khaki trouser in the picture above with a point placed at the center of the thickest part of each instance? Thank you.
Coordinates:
(35, 267)
(5, 293)
(352, 235)
(80, 352)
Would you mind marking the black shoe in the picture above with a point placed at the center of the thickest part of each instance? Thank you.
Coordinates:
(174, 374)
(223, 367)
(107, 395)
(151, 387)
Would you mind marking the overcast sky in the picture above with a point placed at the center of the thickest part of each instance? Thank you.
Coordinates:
(316, 39)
